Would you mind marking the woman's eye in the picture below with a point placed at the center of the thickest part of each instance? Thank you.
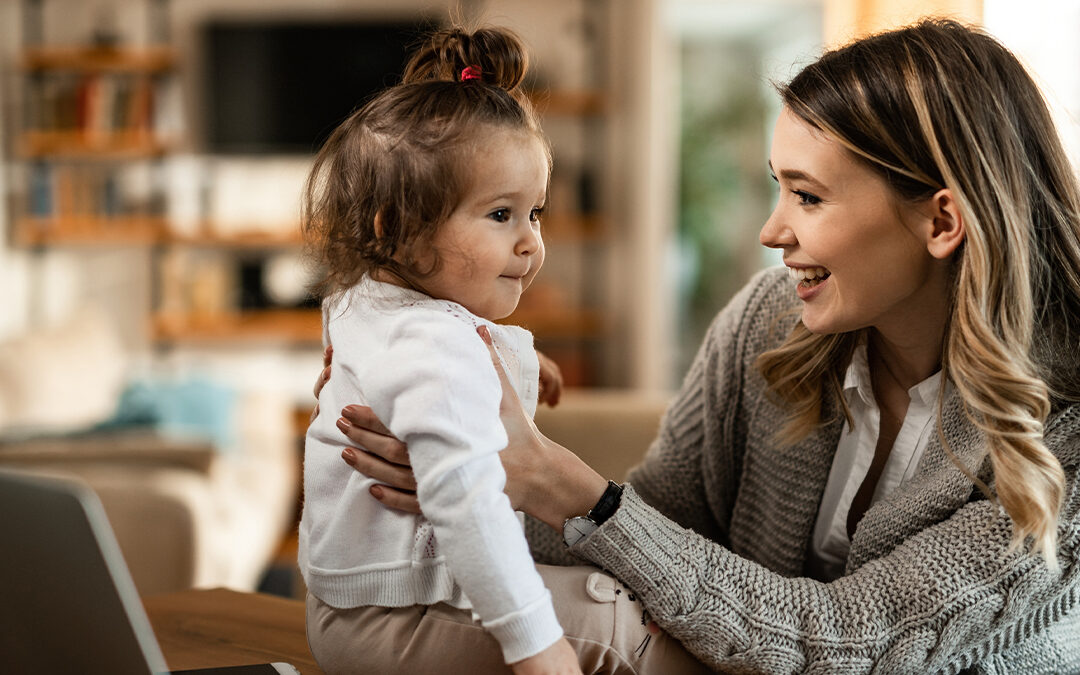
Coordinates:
(500, 215)
(805, 198)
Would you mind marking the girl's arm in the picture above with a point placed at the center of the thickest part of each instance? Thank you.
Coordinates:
(435, 389)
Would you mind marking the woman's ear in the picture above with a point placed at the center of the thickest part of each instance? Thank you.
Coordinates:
(947, 225)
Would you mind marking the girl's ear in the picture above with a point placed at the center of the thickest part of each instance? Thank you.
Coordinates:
(947, 225)
(378, 225)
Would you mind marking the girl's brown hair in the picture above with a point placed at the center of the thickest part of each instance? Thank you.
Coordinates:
(940, 105)
(394, 170)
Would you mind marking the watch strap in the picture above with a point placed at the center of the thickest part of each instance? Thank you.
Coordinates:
(608, 504)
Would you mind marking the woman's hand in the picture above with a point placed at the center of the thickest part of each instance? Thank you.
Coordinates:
(380, 456)
(551, 382)
(543, 478)
(558, 659)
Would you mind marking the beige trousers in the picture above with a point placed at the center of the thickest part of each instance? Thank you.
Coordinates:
(601, 618)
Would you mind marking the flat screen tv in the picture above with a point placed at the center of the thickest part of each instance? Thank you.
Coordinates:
(281, 87)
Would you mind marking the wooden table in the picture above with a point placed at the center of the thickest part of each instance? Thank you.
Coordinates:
(219, 627)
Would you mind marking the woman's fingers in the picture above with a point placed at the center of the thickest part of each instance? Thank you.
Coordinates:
(379, 456)
(509, 397)
(360, 426)
(396, 476)
(324, 376)
(396, 499)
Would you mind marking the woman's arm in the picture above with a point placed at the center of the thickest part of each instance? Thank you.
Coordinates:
(949, 597)
(544, 479)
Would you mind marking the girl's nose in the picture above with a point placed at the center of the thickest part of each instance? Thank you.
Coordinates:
(529, 242)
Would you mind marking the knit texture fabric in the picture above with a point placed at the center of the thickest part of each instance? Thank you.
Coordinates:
(715, 523)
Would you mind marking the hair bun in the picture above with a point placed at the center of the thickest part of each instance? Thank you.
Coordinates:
(495, 56)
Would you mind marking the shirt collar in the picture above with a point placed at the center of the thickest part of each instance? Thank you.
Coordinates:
(857, 379)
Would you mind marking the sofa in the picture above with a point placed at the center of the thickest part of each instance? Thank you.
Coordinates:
(186, 511)
(609, 429)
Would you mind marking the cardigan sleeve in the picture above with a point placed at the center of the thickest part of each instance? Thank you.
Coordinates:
(437, 391)
(947, 598)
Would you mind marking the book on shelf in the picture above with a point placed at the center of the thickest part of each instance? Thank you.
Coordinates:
(102, 104)
(86, 191)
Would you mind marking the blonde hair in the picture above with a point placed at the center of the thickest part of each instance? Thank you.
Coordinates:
(940, 105)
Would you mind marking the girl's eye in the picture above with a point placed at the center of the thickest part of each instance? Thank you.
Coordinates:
(805, 198)
(500, 215)
(534, 215)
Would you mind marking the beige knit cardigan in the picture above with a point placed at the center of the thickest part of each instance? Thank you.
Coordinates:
(715, 523)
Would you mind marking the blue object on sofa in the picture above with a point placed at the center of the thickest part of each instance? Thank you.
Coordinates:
(191, 407)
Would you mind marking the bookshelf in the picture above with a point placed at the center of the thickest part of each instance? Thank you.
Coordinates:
(96, 120)
(97, 135)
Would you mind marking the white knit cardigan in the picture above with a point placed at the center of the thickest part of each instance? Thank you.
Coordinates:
(422, 368)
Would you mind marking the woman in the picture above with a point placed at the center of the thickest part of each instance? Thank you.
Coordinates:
(875, 470)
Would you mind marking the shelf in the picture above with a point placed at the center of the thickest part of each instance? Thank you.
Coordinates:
(81, 144)
(251, 239)
(99, 59)
(89, 231)
(290, 325)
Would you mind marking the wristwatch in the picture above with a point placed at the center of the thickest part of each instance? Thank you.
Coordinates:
(577, 528)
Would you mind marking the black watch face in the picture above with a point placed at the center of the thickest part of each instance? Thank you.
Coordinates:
(576, 529)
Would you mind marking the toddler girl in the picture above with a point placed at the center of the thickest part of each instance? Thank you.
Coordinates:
(424, 209)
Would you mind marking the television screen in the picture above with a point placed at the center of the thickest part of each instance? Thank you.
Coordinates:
(281, 88)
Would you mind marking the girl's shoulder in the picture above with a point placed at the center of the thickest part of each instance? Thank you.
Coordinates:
(407, 309)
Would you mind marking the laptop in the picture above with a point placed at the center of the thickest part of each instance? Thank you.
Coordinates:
(67, 601)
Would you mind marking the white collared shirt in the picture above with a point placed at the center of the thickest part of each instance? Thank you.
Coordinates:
(854, 454)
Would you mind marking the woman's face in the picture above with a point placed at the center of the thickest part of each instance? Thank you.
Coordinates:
(857, 253)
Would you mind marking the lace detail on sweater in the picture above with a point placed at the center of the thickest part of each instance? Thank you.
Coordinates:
(424, 544)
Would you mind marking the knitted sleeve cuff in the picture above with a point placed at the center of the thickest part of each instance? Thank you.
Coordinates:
(640, 546)
(526, 632)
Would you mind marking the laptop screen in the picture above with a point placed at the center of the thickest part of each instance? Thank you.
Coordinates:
(67, 601)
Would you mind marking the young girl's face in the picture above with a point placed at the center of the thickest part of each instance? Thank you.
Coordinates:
(490, 248)
(840, 223)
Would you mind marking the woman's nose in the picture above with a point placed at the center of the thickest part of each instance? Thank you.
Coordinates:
(774, 233)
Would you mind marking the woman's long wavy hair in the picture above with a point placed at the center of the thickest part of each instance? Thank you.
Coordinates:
(940, 105)
(396, 169)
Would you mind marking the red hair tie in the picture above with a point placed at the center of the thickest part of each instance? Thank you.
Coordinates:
(470, 73)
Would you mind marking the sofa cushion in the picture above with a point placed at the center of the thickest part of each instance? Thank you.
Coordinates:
(61, 378)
